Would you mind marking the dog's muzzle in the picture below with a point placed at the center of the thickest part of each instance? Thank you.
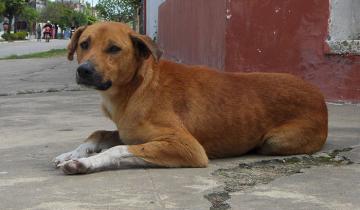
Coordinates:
(87, 75)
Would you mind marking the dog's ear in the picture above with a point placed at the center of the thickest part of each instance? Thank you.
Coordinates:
(145, 46)
(74, 42)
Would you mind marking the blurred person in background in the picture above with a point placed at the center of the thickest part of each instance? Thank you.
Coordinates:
(38, 32)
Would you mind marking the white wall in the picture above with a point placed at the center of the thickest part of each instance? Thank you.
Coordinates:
(344, 27)
(345, 19)
(152, 7)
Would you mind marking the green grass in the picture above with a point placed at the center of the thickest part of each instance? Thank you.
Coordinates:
(46, 54)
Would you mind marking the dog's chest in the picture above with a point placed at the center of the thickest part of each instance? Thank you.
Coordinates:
(108, 107)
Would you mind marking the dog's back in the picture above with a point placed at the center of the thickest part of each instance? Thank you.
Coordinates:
(232, 113)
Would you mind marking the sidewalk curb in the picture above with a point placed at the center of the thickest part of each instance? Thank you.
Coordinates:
(27, 40)
(6, 42)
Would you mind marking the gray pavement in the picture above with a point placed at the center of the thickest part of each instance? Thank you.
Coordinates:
(43, 113)
(32, 46)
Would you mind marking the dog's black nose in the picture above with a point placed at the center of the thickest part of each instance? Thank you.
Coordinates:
(85, 70)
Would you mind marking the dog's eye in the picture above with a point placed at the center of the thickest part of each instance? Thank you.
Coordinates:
(113, 49)
(84, 45)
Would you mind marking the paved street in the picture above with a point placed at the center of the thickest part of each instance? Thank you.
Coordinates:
(43, 113)
(26, 47)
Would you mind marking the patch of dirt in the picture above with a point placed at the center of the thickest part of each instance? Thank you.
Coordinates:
(247, 175)
(218, 200)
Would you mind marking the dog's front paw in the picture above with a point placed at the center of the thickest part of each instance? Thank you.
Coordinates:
(84, 150)
(74, 167)
(62, 158)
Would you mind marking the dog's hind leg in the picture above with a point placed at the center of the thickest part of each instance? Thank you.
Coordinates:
(296, 137)
(95, 143)
(185, 152)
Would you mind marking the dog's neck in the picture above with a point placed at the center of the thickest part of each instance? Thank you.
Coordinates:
(116, 99)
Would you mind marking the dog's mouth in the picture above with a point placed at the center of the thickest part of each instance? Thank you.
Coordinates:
(95, 81)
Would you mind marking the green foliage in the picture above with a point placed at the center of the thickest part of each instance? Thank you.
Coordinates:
(29, 14)
(17, 8)
(63, 15)
(78, 19)
(122, 11)
(14, 36)
(13, 8)
(89, 12)
(21, 35)
(91, 20)
(8, 36)
(2, 8)
(56, 13)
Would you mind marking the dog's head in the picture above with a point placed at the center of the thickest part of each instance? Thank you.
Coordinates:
(109, 54)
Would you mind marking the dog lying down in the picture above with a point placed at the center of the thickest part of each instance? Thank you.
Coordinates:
(174, 115)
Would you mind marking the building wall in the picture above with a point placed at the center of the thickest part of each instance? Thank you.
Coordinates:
(152, 17)
(260, 35)
(289, 36)
(193, 32)
(345, 19)
(38, 4)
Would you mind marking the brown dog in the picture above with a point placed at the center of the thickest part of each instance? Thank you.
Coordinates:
(173, 115)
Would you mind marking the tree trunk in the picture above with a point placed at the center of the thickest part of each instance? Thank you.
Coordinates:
(134, 25)
(10, 23)
(15, 22)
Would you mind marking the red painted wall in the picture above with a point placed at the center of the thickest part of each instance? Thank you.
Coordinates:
(289, 36)
(260, 35)
(192, 33)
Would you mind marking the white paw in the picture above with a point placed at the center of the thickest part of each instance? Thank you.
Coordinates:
(62, 158)
(84, 150)
(75, 166)
(73, 155)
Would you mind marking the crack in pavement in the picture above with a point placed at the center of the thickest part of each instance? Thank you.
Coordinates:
(247, 175)
(45, 68)
(28, 75)
(50, 90)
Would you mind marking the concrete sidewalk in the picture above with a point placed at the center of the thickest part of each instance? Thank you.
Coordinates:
(30, 46)
(43, 113)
